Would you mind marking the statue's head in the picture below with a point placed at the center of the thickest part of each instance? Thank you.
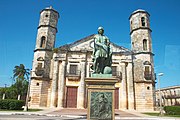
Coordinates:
(100, 30)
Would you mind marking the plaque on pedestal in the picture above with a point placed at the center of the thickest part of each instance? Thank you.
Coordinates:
(100, 98)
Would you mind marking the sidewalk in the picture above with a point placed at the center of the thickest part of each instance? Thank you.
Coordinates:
(82, 114)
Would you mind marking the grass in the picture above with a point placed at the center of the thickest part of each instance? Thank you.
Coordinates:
(11, 110)
(157, 114)
(29, 110)
(151, 114)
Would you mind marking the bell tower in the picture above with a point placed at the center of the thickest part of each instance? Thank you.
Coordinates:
(143, 64)
(43, 53)
(45, 41)
(140, 31)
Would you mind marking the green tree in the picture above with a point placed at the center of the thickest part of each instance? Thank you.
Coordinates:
(21, 76)
(2, 91)
(21, 72)
(20, 87)
(11, 92)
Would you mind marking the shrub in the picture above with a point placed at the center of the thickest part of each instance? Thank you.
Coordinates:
(10, 104)
(4, 104)
(172, 110)
(16, 104)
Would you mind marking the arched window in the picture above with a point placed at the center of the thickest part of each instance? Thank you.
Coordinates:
(147, 72)
(144, 44)
(147, 63)
(147, 69)
(143, 21)
(42, 44)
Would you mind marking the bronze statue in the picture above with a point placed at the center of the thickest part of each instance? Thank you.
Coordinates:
(102, 54)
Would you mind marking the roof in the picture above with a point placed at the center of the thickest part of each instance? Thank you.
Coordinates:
(49, 9)
(139, 11)
(84, 43)
(67, 46)
(169, 88)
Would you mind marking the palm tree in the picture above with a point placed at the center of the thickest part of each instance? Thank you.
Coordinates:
(21, 72)
(21, 75)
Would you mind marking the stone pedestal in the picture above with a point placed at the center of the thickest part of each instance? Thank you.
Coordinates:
(100, 98)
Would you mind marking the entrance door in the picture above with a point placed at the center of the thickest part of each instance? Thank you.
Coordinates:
(71, 101)
(116, 104)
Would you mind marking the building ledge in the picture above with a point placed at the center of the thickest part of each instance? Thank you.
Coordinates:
(145, 81)
(41, 78)
(73, 77)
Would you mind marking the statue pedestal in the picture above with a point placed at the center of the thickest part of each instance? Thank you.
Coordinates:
(100, 98)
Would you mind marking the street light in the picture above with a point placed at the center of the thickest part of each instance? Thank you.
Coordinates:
(160, 98)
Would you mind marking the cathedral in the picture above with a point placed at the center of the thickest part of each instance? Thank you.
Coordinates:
(58, 74)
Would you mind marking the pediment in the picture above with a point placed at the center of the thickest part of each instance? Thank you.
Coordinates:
(87, 44)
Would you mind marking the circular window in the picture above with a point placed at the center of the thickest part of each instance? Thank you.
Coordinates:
(46, 15)
(148, 88)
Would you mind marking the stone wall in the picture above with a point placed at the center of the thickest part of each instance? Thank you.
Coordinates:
(144, 96)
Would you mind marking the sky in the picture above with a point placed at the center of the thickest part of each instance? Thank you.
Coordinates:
(19, 20)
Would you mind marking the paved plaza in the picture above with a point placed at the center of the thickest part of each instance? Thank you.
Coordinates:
(74, 114)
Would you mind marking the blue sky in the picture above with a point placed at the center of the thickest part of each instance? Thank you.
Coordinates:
(80, 18)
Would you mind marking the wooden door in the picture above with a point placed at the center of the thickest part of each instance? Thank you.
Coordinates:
(71, 101)
(116, 98)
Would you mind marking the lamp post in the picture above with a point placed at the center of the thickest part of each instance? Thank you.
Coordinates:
(160, 97)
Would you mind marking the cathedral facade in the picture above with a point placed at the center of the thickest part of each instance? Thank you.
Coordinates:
(58, 74)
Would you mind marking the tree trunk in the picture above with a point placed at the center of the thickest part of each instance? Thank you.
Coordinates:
(19, 97)
(3, 96)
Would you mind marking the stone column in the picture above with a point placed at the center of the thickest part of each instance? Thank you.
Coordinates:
(88, 70)
(61, 83)
(54, 83)
(123, 91)
(81, 88)
(130, 87)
